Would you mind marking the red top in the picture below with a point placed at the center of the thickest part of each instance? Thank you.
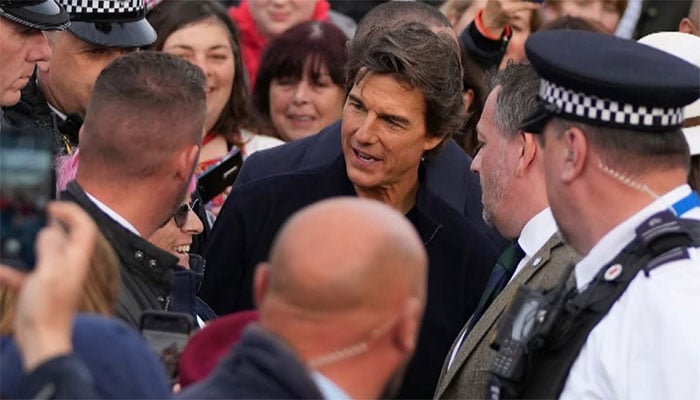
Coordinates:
(252, 42)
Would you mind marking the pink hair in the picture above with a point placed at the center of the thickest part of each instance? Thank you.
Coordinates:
(66, 169)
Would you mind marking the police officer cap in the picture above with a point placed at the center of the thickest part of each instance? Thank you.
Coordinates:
(607, 81)
(112, 23)
(38, 14)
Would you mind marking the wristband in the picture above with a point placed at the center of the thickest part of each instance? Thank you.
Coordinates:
(485, 32)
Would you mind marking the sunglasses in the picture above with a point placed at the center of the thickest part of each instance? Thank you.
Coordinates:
(182, 211)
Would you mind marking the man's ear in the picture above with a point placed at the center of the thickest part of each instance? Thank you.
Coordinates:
(186, 161)
(575, 150)
(528, 151)
(687, 26)
(262, 273)
(468, 98)
(408, 325)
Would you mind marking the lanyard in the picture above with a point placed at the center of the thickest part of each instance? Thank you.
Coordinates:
(686, 204)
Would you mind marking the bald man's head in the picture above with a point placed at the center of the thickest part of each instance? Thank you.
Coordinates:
(346, 254)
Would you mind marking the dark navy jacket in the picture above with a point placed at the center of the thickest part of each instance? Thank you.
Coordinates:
(460, 256)
(260, 366)
(447, 172)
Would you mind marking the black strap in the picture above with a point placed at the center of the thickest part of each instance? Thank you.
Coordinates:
(660, 239)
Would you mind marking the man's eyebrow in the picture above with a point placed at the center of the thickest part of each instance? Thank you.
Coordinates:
(355, 99)
(396, 119)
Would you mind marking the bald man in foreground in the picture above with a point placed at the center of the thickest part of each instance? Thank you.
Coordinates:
(340, 305)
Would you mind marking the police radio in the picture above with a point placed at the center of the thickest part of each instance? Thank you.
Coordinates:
(527, 322)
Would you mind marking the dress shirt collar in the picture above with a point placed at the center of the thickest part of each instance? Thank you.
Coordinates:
(620, 236)
(537, 231)
(113, 214)
(59, 114)
(328, 389)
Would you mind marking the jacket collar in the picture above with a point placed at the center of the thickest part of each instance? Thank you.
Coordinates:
(419, 215)
(136, 254)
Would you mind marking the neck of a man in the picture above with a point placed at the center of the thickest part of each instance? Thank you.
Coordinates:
(52, 98)
(360, 374)
(610, 203)
(530, 201)
(135, 203)
(400, 197)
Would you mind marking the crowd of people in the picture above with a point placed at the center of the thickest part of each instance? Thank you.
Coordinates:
(440, 199)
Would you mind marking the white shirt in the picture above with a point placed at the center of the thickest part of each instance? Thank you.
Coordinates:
(113, 214)
(648, 345)
(55, 110)
(254, 142)
(329, 390)
(533, 236)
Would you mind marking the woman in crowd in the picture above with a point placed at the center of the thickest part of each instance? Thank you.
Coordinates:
(260, 21)
(202, 33)
(176, 237)
(301, 82)
(145, 379)
(101, 287)
(522, 24)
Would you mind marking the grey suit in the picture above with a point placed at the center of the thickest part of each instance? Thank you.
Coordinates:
(468, 375)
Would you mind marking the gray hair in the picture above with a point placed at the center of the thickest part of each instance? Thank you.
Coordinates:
(517, 98)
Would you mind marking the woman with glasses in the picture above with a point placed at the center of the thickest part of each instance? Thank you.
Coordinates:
(176, 237)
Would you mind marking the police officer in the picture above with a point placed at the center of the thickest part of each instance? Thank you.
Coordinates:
(23, 43)
(616, 164)
(100, 31)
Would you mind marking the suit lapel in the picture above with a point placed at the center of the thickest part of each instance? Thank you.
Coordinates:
(492, 314)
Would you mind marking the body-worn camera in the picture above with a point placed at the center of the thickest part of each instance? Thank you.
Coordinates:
(522, 321)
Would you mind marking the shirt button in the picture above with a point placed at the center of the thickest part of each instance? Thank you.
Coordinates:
(138, 255)
(153, 263)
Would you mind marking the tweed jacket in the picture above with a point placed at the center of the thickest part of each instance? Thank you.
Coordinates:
(468, 376)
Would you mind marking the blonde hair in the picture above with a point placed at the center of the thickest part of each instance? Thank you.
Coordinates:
(101, 287)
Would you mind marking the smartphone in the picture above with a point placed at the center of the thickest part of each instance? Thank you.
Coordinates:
(220, 176)
(167, 334)
(26, 170)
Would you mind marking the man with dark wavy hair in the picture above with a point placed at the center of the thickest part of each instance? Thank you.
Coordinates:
(404, 99)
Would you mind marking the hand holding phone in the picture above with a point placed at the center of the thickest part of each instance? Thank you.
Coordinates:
(25, 189)
(167, 334)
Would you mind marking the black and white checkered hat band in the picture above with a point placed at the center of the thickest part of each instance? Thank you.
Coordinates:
(607, 112)
(103, 6)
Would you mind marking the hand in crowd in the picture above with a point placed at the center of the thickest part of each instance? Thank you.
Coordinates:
(498, 13)
(49, 295)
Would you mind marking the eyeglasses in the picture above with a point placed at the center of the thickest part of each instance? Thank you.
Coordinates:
(182, 211)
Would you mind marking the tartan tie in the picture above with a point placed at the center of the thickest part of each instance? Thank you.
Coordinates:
(500, 275)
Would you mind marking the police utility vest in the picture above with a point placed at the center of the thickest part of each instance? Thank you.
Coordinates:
(542, 332)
